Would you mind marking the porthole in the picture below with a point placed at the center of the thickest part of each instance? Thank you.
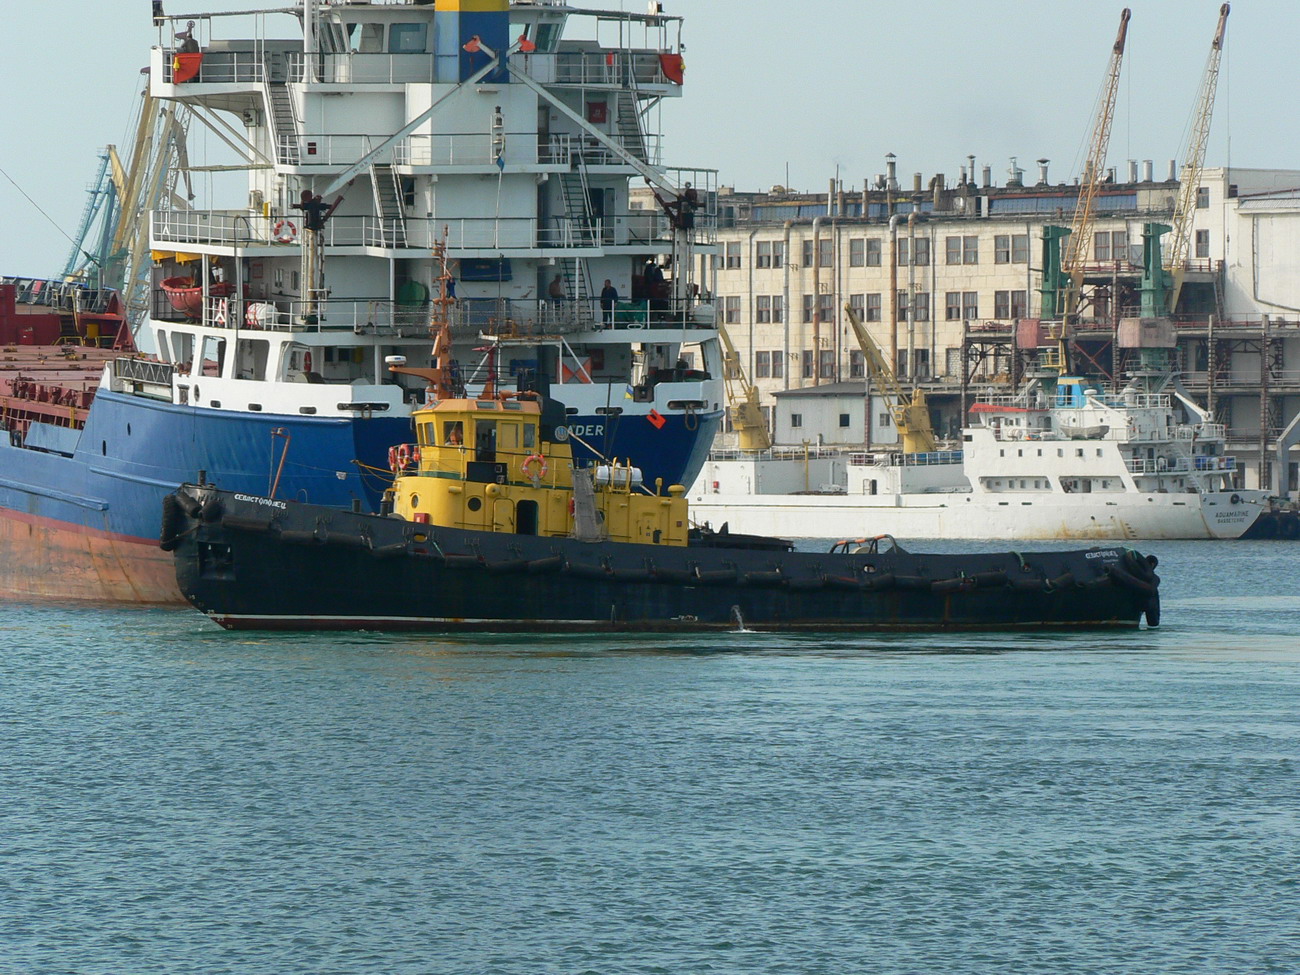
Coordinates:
(474, 504)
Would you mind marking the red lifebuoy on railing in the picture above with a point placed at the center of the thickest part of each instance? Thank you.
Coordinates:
(403, 455)
(392, 459)
(536, 461)
(285, 231)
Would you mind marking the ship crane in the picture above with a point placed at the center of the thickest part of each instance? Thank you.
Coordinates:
(911, 415)
(742, 399)
(1180, 240)
(1079, 244)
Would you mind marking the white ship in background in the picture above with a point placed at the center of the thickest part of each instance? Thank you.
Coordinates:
(1062, 460)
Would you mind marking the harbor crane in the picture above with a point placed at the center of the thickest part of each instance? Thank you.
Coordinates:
(910, 413)
(1180, 239)
(742, 399)
(1079, 243)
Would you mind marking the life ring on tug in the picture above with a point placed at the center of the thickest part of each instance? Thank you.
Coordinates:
(285, 231)
(415, 454)
(539, 461)
(392, 459)
(403, 455)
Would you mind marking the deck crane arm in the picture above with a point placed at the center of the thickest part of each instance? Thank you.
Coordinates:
(742, 399)
(1180, 239)
(911, 415)
(1079, 243)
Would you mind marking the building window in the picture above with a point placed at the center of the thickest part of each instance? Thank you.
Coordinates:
(1110, 245)
(778, 364)
(921, 302)
(808, 253)
(763, 309)
(952, 306)
(778, 308)
(857, 364)
(884, 420)
(844, 420)
(825, 308)
(856, 303)
(873, 252)
(922, 363)
(731, 309)
(1019, 304)
(762, 365)
(732, 256)
(763, 253)
(825, 250)
(872, 308)
(857, 252)
(970, 305)
(808, 307)
(826, 364)
(1011, 249)
(904, 251)
(901, 304)
(961, 250)
(807, 370)
(1002, 304)
(796, 420)
(1202, 197)
(1202, 243)
(922, 255)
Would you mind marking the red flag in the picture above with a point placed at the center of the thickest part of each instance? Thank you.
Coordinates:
(656, 419)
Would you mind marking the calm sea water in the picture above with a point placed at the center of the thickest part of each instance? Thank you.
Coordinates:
(174, 798)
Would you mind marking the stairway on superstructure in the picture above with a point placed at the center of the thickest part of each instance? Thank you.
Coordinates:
(388, 205)
(284, 124)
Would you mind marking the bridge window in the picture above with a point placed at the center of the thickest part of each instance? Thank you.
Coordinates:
(407, 38)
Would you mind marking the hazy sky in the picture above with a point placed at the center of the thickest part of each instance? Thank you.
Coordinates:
(812, 84)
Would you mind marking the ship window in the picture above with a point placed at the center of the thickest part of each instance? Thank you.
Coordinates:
(530, 435)
(485, 441)
(424, 434)
(454, 433)
(1040, 452)
(1098, 451)
(844, 419)
(1078, 452)
(1001, 452)
(163, 354)
(406, 38)
(372, 38)
(474, 504)
(1020, 453)
(796, 420)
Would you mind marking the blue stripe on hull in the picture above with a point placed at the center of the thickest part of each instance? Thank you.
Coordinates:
(132, 452)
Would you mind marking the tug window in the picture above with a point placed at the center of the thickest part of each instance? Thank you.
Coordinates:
(530, 435)
(485, 441)
(454, 433)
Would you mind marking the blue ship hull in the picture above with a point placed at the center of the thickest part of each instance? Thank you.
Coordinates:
(83, 523)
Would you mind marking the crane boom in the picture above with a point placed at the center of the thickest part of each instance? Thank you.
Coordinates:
(1180, 241)
(742, 399)
(1079, 243)
(911, 415)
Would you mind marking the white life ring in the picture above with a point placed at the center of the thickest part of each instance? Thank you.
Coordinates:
(285, 231)
(403, 455)
(539, 462)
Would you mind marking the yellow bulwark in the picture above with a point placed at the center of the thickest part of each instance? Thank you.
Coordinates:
(484, 465)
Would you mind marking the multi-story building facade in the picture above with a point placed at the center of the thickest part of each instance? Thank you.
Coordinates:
(948, 280)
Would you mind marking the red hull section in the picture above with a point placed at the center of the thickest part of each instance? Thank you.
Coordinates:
(51, 560)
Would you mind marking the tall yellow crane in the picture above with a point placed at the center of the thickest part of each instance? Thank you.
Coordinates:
(1180, 238)
(911, 415)
(1079, 244)
(742, 399)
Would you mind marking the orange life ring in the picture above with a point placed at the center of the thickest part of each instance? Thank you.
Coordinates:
(285, 231)
(540, 462)
(403, 455)
(392, 458)
(306, 362)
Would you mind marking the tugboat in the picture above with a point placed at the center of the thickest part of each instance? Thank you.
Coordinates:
(491, 525)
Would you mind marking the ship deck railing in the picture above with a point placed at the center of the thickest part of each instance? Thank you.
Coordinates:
(929, 458)
(177, 229)
(65, 295)
(1180, 465)
(242, 62)
(780, 452)
(469, 316)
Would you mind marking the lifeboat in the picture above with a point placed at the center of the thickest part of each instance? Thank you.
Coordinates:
(187, 297)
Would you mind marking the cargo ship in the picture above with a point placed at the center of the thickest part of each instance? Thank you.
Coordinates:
(370, 135)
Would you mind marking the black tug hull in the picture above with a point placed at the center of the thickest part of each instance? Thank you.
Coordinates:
(255, 563)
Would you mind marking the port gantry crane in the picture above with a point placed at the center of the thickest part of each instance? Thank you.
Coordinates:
(1180, 241)
(911, 415)
(1079, 243)
(742, 399)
